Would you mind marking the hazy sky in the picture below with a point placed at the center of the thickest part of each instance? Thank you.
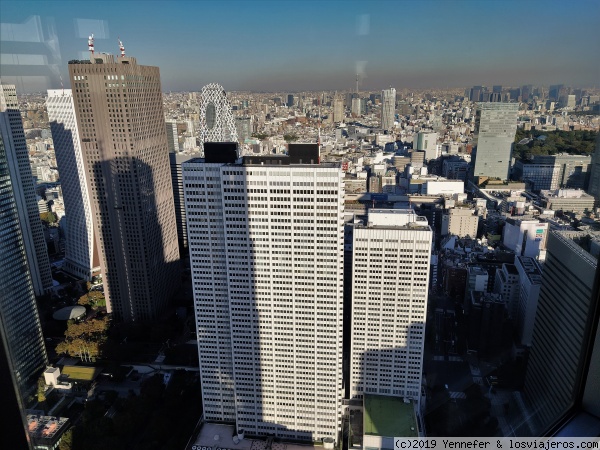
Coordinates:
(290, 45)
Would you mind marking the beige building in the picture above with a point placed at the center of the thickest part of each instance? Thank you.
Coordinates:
(121, 125)
(460, 222)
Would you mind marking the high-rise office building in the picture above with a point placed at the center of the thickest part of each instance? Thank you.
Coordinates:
(175, 161)
(243, 127)
(217, 123)
(119, 110)
(495, 129)
(81, 254)
(530, 281)
(11, 129)
(338, 110)
(388, 108)
(267, 254)
(290, 100)
(19, 321)
(390, 279)
(594, 184)
(172, 136)
(562, 320)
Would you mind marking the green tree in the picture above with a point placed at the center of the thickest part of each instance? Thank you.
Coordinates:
(290, 137)
(48, 217)
(66, 442)
(41, 389)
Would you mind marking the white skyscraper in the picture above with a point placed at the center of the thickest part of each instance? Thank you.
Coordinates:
(11, 128)
(388, 108)
(81, 258)
(390, 280)
(266, 250)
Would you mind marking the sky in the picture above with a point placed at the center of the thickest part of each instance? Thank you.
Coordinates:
(293, 45)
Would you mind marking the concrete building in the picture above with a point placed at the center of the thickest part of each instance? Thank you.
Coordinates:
(507, 285)
(46, 432)
(390, 281)
(266, 241)
(19, 320)
(175, 162)
(119, 111)
(17, 158)
(594, 184)
(388, 108)
(555, 171)
(563, 318)
(525, 237)
(441, 186)
(243, 126)
(530, 281)
(495, 129)
(338, 110)
(426, 141)
(81, 253)
(172, 136)
(574, 200)
(461, 222)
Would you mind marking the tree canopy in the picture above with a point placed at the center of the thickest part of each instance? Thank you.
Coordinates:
(580, 142)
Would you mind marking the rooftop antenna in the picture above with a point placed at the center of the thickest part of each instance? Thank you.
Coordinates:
(122, 48)
(91, 44)
(357, 83)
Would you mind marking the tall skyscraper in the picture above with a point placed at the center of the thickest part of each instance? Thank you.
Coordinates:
(243, 127)
(172, 136)
(81, 254)
(390, 280)
(338, 109)
(594, 185)
(266, 250)
(388, 108)
(495, 129)
(19, 320)
(11, 129)
(217, 123)
(562, 320)
(119, 110)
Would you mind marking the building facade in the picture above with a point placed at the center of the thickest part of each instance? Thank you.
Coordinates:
(217, 123)
(495, 129)
(17, 157)
(390, 281)
(19, 319)
(81, 254)
(388, 108)
(175, 161)
(562, 318)
(530, 281)
(119, 111)
(267, 254)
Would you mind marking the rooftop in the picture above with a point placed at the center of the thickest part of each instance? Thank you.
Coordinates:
(81, 373)
(42, 428)
(389, 416)
(217, 435)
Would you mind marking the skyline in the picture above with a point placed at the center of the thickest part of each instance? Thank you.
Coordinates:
(292, 46)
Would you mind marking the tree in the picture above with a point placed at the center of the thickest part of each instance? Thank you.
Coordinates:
(66, 442)
(41, 389)
(290, 137)
(85, 339)
(48, 217)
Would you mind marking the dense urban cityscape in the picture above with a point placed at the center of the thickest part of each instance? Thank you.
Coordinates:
(242, 270)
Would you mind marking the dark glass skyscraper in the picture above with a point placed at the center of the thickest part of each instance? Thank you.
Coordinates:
(19, 320)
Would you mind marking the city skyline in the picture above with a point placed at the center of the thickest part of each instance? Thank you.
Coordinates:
(322, 48)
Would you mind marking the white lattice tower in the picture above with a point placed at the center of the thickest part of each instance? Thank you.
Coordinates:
(217, 123)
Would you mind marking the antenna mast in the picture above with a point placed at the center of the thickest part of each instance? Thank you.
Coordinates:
(121, 48)
(91, 44)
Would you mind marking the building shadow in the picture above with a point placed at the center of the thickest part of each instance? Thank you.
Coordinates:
(136, 233)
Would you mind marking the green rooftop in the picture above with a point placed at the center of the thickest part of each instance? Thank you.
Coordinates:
(389, 416)
(81, 373)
